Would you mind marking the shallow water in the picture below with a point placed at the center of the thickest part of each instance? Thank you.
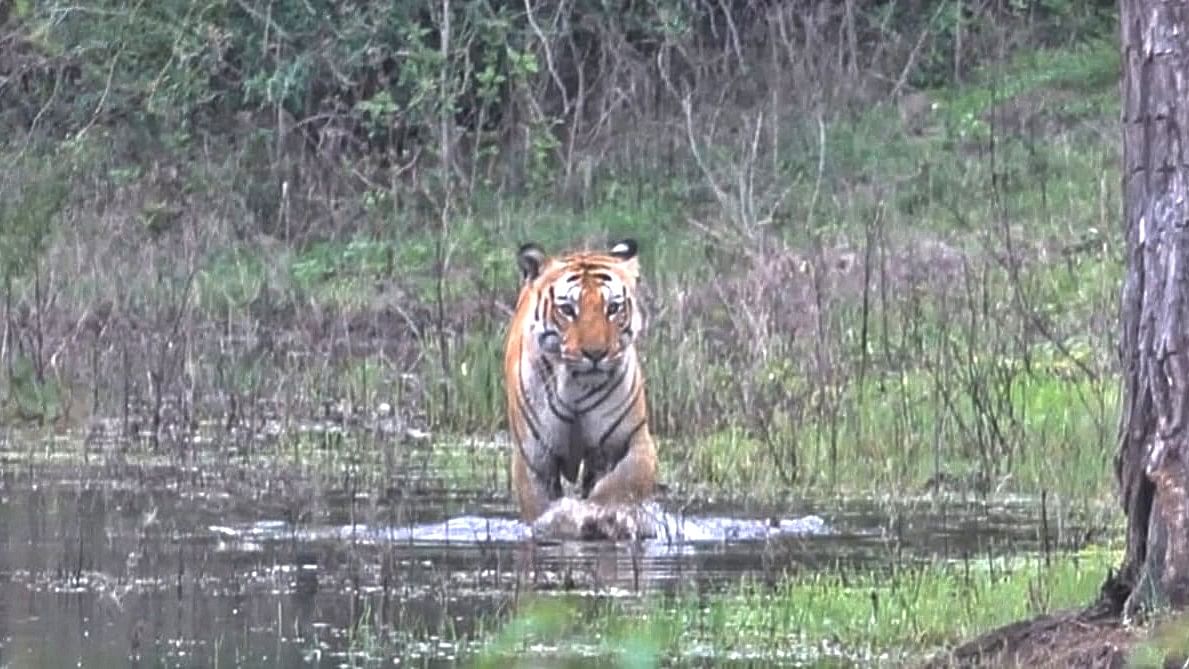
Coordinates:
(171, 564)
(675, 532)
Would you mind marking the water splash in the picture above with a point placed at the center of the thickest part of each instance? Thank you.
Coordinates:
(675, 532)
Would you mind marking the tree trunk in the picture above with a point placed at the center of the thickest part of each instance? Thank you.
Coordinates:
(1152, 464)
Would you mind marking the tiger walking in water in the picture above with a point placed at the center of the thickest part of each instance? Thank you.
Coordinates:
(575, 392)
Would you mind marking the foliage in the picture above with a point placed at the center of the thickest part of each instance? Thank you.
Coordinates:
(1167, 644)
(27, 211)
(390, 82)
(840, 618)
(848, 292)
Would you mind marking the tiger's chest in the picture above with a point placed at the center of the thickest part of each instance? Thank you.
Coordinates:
(576, 418)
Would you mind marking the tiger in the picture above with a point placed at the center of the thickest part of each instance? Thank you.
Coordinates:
(575, 388)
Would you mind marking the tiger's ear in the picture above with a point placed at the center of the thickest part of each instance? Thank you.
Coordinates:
(625, 251)
(530, 258)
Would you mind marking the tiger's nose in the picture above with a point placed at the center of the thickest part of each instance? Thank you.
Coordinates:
(594, 354)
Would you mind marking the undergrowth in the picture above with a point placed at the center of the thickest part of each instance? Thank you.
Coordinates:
(841, 618)
(919, 290)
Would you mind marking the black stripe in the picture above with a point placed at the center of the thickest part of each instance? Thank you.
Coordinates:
(548, 387)
(614, 383)
(544, 476)
(545, 375)
(594, 266)
(632, 396)
(591, 393)
(530, 415)
(627, 443)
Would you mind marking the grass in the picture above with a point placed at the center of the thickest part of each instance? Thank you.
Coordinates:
(934, 303)
(901, 436)
(772, 363)
(931, 309)
(1091, 70)
(1167, 645)
(837, 618)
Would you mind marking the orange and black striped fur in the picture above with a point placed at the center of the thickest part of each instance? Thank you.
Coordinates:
(575, 387)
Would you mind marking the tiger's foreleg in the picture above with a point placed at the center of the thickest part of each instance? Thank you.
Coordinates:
(536, 487)
(614, 506)
(632, 480)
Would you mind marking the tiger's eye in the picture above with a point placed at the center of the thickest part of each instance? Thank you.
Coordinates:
(567, 310)
(613, 308)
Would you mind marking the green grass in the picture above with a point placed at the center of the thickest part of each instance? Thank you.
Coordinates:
(1091, 70)
(1168, 645)
(900, 436)
(999, 375)
(1000, 371)
(1004, 377)
(480, 256)
(820, 619)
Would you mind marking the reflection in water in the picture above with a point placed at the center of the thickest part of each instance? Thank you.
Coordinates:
(174, 565)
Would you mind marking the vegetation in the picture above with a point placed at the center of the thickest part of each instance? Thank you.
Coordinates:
(838, 619)
(920, 284)
(878, 242)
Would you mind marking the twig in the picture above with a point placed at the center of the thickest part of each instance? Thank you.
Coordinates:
(916, 49)
(821, 169)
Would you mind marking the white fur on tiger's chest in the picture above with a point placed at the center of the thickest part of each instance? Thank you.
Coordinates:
(575, 415)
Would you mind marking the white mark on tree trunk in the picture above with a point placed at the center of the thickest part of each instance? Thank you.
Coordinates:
(1156, 451)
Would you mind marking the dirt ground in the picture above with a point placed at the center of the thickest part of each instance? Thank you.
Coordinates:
(1089, 638)
(1069, 639)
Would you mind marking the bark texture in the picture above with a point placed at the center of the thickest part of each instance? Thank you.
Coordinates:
(1152, 464)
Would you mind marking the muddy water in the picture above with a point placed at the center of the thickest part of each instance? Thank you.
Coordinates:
(169, 563)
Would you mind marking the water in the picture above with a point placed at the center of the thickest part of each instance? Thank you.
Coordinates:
(178, 564)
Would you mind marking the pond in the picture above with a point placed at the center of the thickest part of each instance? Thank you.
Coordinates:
(218, 561)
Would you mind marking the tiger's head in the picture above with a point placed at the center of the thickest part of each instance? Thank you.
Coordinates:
(585, 312)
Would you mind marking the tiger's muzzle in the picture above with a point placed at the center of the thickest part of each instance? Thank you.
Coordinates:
(595, 362)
